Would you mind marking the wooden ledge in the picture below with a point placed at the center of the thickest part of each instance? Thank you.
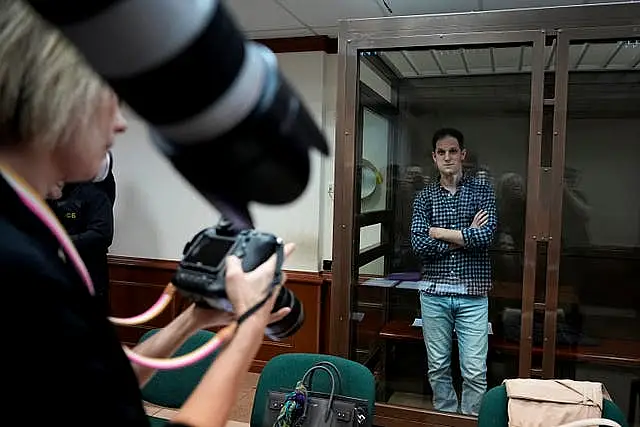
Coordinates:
(302, 277)
(607, 352)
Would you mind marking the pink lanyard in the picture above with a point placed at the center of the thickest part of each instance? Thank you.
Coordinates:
(40, 209)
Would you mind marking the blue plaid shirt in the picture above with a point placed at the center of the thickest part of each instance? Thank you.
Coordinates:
(465, 270)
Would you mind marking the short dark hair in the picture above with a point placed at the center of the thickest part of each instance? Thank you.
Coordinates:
(445, 132)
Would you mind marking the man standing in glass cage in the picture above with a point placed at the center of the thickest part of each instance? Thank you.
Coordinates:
(453, 224)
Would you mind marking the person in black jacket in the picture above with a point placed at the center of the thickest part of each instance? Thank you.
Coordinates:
(58, 120)
(85, 211)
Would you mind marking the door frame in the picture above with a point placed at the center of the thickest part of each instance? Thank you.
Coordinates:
(346, 166)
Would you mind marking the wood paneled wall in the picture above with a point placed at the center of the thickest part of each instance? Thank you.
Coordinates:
(136, 283)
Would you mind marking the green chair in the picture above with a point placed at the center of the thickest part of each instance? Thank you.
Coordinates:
(285, 370)
(171, 388)
(494, 413)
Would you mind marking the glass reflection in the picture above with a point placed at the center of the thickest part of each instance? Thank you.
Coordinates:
(598, 333)
(408, 328)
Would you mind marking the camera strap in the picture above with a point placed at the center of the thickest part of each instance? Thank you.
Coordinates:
(277, 279)
(30, 198)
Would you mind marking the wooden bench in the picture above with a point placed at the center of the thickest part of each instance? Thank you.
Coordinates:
(607, 352)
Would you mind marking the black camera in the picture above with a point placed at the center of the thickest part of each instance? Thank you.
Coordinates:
(201, 273)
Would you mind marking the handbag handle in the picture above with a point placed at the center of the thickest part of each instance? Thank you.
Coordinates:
(307, 377)
(591, 422)
(336, 372)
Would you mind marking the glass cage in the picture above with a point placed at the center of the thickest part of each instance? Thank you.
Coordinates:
(551, 123)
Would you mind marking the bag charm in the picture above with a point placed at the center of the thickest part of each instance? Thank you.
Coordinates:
(293, 407)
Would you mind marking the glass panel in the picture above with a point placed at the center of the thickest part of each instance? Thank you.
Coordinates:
(374, 162)
(369, 295)
(370, 235)
(369, 312)
(485, 93)
(598, 333)
(369, 77)
(374, 268)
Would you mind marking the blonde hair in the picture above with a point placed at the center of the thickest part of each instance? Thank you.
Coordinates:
(47, 91)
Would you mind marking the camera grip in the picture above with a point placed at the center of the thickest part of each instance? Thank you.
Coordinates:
(255, 251)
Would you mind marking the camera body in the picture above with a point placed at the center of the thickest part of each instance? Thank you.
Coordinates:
(201, 273)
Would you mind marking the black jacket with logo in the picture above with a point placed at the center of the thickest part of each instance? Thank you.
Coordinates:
(86, 213)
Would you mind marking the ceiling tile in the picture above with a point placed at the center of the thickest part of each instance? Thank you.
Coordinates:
(420, 7)
(398, 60)
(424, 62)
(254, 15)
(512, 59)
(598, 56)
(326, 13)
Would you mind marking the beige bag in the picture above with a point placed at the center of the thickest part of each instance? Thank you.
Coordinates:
(551, 403)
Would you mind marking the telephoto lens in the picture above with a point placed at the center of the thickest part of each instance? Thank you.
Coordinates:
(292, 322)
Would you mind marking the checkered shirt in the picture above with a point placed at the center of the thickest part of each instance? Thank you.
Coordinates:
(465, 270)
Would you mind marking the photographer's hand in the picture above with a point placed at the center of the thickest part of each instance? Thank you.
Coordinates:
(215, 395)
(246, 290)
(249, 287)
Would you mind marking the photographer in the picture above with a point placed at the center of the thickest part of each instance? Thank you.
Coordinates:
(57, 121)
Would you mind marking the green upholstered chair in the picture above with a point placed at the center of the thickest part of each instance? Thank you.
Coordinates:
(171, 388)
(285, 370)
(493, 410)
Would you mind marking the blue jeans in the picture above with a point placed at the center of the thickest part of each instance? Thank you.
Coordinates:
(469, 316)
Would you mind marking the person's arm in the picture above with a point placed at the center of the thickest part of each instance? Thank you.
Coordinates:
(453, 237)
(481, 231)
(212, 400)
(166, 342)
(482, 237)
(423, 244)
(99, 231)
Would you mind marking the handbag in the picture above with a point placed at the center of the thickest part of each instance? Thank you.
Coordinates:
(303, 407)
(538, 403)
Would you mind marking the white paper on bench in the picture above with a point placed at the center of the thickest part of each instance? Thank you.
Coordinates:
(409, 285)
(381, 283)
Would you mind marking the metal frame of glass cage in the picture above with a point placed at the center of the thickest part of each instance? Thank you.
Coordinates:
(532, 26)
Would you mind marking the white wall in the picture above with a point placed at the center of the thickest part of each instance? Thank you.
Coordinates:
(330, 85)
(157, 211)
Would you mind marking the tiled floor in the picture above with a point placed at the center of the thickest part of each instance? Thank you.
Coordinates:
(412, 400)
(240, 414)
